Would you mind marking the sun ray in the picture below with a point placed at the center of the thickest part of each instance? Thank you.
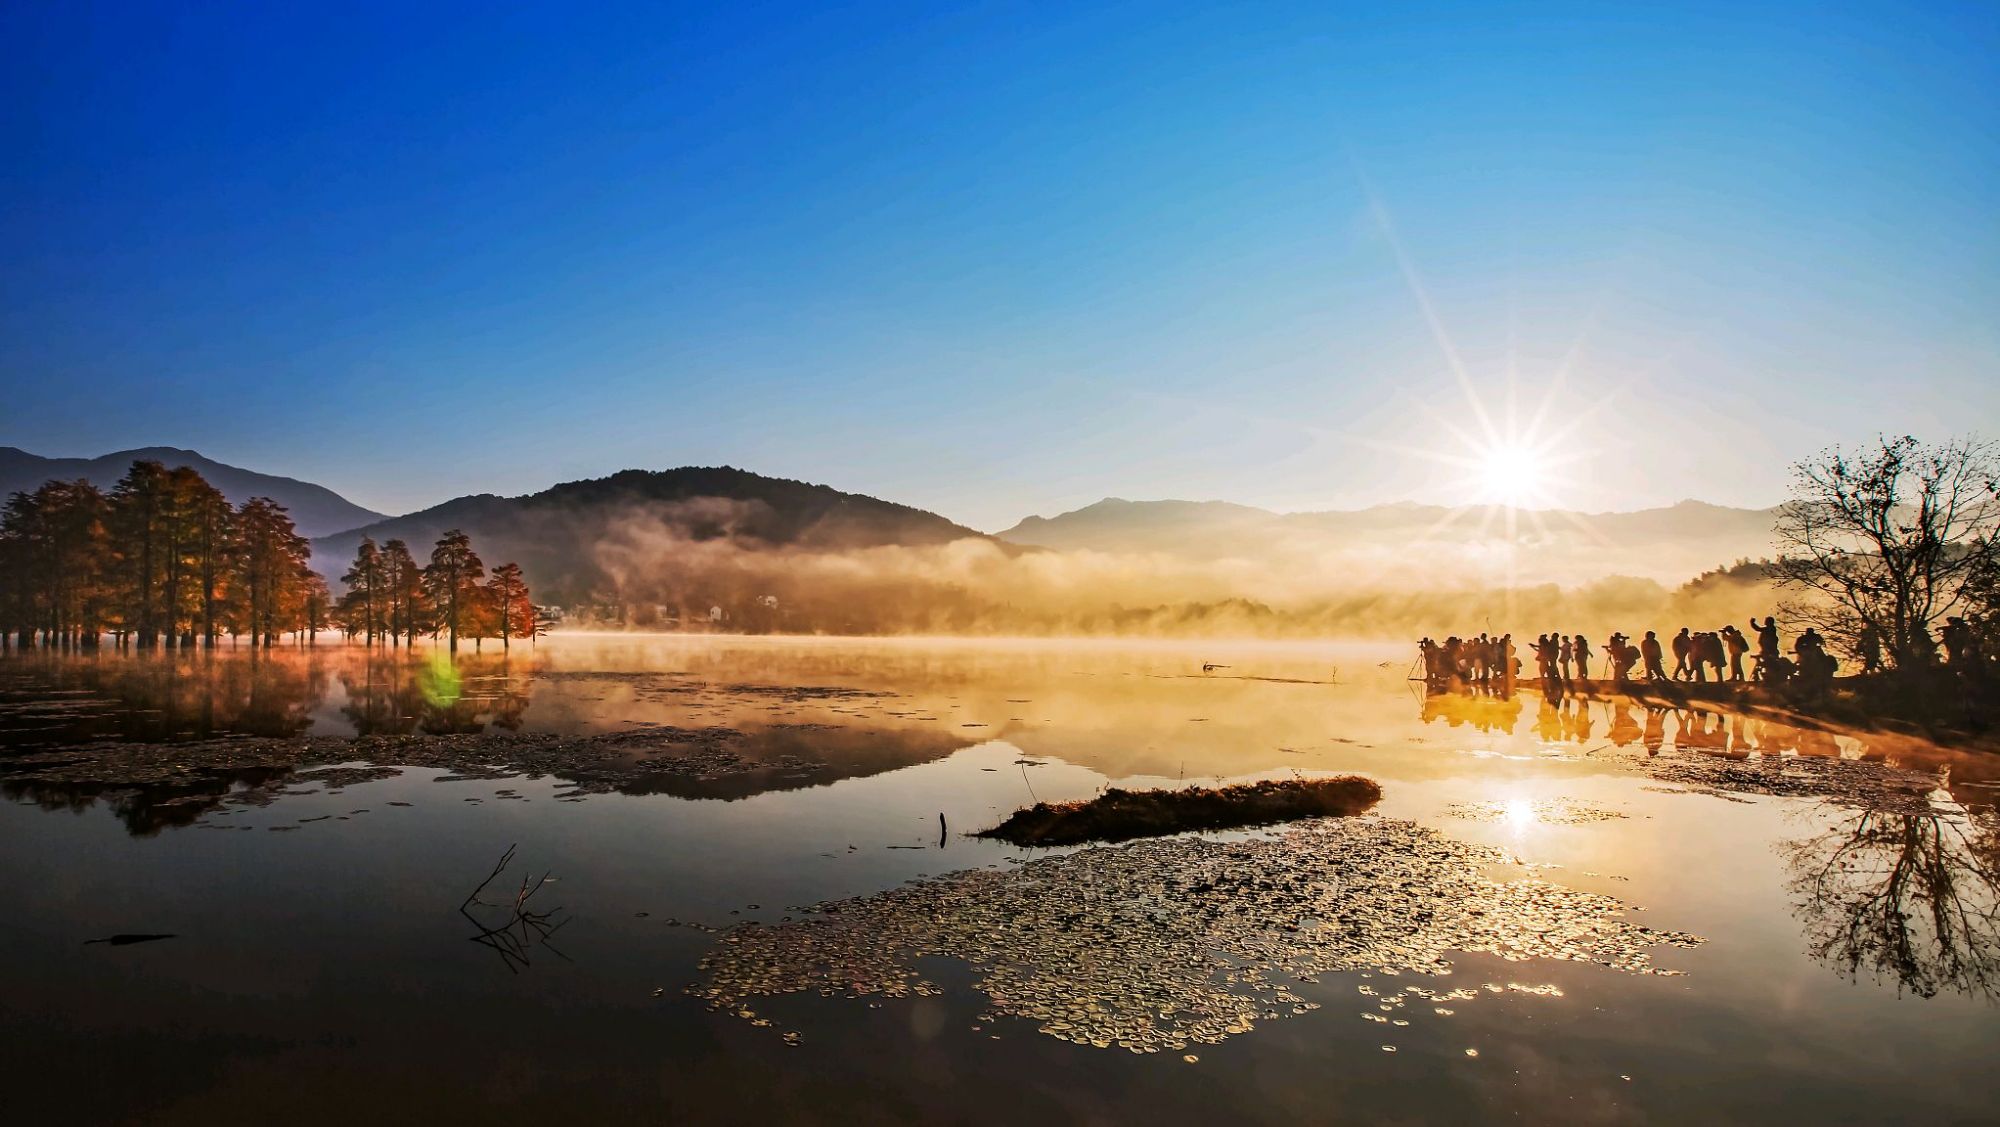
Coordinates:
(1439, 333)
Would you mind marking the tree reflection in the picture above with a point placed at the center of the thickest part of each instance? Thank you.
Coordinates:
(1914, 897)
(435, 696)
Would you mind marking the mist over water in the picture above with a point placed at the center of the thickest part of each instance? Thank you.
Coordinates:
(1383, 585)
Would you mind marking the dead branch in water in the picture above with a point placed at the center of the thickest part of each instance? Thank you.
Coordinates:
(523, 928)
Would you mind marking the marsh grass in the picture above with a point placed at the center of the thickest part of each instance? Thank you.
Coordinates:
(1120, 815)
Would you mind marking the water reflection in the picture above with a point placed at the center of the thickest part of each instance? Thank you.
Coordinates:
(1703, 729)
(48, 698)
(435, 695)
(1909, 898)
(345, 920)
(60, 698)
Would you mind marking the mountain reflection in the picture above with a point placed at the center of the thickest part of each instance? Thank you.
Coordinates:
(1909, 897)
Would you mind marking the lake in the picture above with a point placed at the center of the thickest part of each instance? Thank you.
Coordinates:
(763, 904)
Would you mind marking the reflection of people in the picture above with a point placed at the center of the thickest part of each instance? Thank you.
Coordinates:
(1624, 729)
(1656, 727)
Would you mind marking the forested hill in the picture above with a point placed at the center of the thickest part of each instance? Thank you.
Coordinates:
(315, 509)
(556, 535)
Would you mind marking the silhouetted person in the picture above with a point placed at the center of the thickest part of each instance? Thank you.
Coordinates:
(1767, 647)
(1738, 645)
(1582, 647)
(1623, 656)
(1814, 665)
(1868, 648)
(1923, 647)
(1649, 649)
(1707, 652)
(1453, 656)
(1566, 656)
(1683, 648)
(1957, 638)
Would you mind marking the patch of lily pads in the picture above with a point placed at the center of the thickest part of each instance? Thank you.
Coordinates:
(1162, 944)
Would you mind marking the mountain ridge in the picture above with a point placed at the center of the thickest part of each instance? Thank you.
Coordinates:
(555, 533)
(1668, 542)
(315, 509)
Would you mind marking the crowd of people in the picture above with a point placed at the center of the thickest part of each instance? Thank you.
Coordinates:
(1699, 656)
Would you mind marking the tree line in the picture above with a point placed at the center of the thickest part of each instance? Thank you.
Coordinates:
(163, 559)
(391, 600)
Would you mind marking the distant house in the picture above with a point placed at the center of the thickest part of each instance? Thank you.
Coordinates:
(715, 614)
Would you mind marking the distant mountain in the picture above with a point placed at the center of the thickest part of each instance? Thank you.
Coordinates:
(568, 538)
(316, 509)
(1669, 543)
(1117, 525)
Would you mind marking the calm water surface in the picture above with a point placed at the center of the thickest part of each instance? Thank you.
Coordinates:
(321, 969)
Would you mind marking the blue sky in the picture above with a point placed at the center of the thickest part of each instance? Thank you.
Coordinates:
(998, 259)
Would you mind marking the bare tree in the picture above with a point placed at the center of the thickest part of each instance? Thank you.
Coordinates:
(1886, 538)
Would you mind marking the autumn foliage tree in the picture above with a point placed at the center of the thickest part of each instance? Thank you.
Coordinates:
(367, 594)
(452, 582)
(403, 587)
(162, 559)
(274, 569)
(513, 611)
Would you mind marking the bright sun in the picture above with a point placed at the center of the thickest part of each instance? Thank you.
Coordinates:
(1510, 474)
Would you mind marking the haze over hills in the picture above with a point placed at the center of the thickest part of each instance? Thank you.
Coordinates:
(570, 537)
(316, 510)
(750, 552)
(1669, 544)
(576, 538)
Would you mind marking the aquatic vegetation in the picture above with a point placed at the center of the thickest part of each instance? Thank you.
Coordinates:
(1120, 815)
(1159, 945)
(1859, 783)
(1549, 811)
